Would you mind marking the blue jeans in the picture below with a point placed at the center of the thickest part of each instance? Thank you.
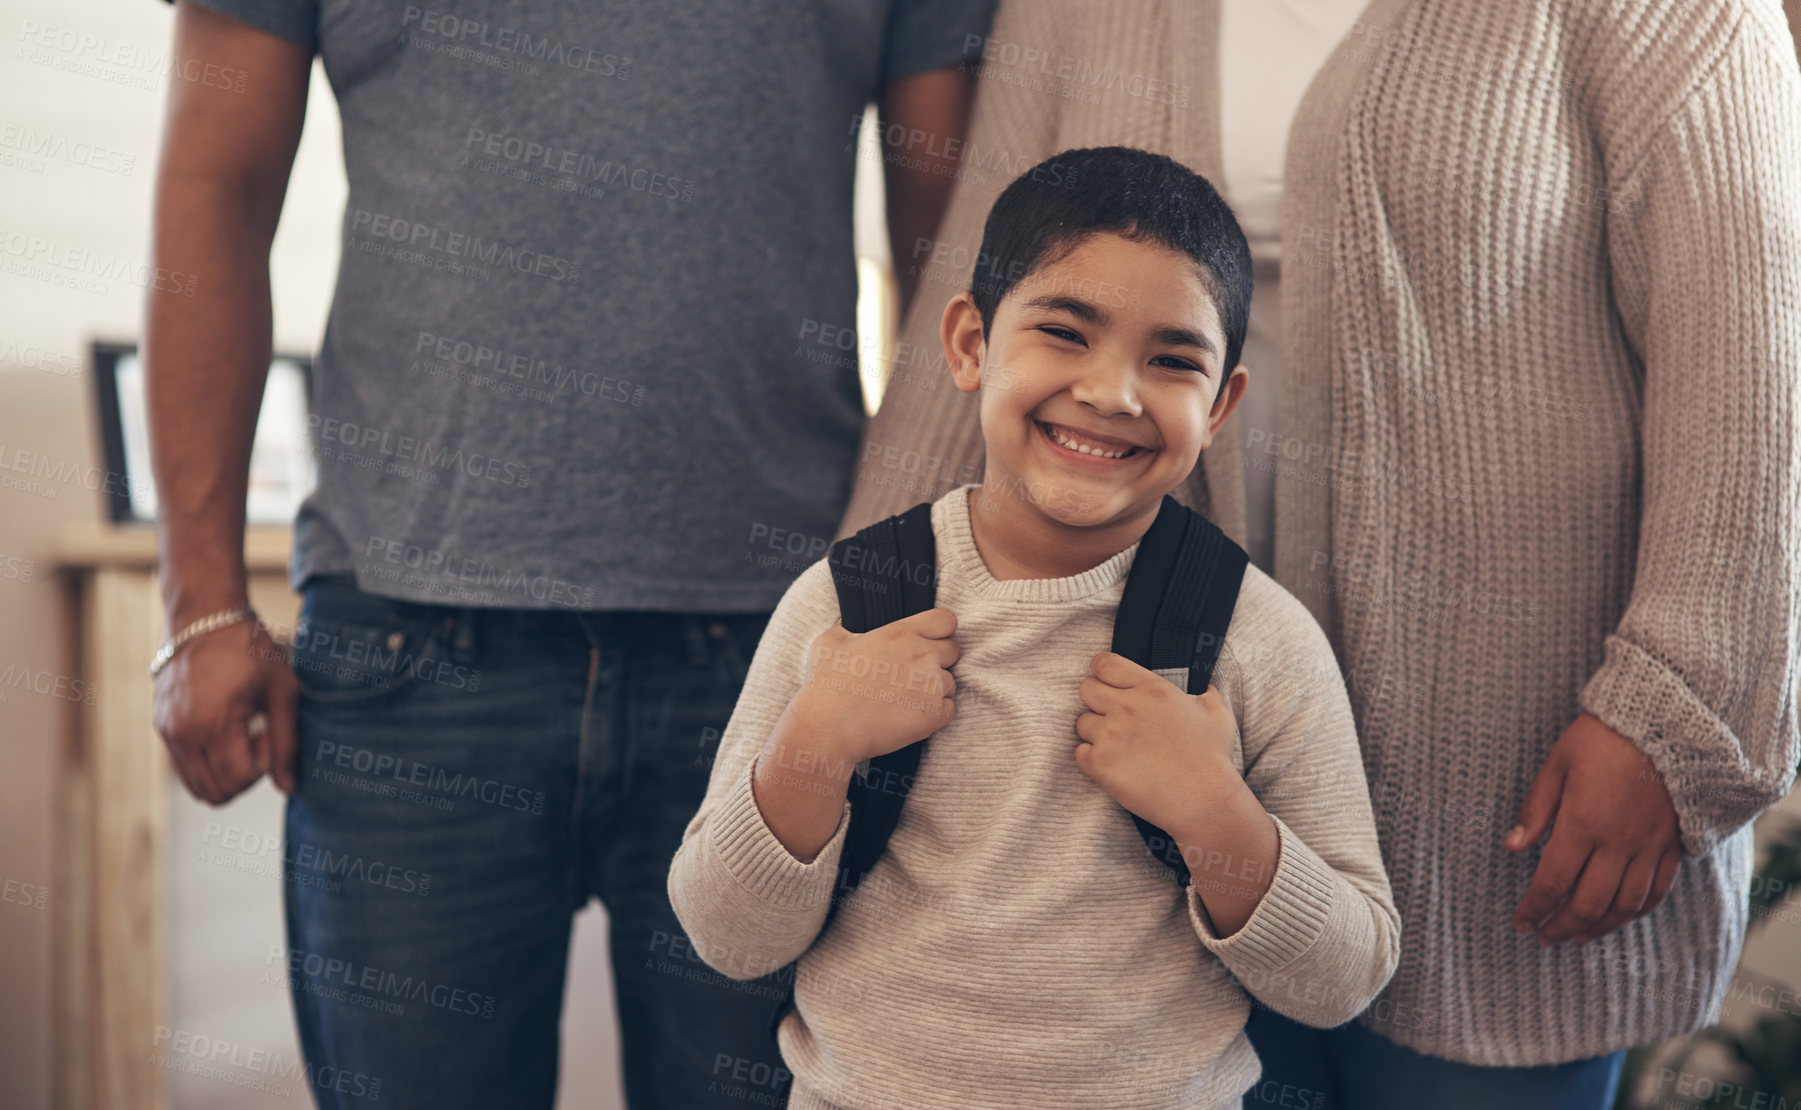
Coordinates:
(1353, 1068)
(468, 780)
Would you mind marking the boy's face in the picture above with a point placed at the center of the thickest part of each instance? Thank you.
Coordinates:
(1117, 345)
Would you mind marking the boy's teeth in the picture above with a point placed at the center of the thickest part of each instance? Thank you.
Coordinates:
(1074, 446)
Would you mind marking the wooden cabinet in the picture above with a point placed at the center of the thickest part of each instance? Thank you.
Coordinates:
(111, 947)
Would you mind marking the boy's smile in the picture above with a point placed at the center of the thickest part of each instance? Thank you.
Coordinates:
(1084, 445)
(1100, 386)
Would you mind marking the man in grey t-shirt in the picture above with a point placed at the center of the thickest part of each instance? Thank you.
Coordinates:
(582, 411)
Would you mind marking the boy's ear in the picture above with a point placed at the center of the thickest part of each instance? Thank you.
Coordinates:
(964, 345)
(1227, 399)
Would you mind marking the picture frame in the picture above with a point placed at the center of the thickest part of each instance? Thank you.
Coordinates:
(282, 468)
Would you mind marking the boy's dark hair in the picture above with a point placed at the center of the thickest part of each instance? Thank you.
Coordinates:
(1051, 208)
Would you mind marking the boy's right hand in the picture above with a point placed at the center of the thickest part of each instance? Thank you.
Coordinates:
(871, 693)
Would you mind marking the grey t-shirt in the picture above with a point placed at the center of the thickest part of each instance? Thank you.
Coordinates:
(592, 342)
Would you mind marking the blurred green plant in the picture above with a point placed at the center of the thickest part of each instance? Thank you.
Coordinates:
(1763, 1063)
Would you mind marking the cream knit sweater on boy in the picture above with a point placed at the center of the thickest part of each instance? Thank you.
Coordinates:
(1541, 297)
(1017, 945)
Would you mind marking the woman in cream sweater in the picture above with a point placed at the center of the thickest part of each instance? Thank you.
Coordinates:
(1522, 436)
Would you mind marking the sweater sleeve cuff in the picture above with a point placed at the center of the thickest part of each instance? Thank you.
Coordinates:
(751, 854)
(1286, 922)
(1643, 700)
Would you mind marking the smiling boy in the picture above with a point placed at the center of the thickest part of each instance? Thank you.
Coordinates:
(1016, 944)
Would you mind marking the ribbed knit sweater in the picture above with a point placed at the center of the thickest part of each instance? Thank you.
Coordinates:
(1542, 301)
(1017, 945)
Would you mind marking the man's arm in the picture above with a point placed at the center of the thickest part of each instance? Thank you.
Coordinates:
(924, 120)
(920, 411)
(220, 182)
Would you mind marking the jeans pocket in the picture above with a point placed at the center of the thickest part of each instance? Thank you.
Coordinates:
(356, 648)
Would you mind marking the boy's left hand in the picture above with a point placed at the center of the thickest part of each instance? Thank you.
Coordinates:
(1157, 749)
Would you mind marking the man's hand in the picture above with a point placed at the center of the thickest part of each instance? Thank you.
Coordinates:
(220, 179)
(1157, 749)
(226, 706)
(1615, 848)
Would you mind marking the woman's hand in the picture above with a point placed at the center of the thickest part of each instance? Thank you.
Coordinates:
(1615, 848)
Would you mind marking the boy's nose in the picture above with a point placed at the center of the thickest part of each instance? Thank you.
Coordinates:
(1108, 391)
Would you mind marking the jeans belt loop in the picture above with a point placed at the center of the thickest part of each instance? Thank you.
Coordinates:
(462, 644)
(699, 651)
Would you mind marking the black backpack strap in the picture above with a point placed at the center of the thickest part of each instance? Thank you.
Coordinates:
(885, 572)
(890, 571)
(1179, 598)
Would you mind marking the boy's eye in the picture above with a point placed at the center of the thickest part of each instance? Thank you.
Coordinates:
(1178, 363)
(1060, 332)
